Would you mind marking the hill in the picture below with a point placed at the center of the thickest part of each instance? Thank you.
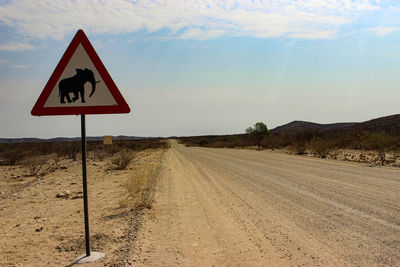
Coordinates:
(389, 124)
(295, 126)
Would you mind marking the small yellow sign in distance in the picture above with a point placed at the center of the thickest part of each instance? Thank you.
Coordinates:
(107, 140)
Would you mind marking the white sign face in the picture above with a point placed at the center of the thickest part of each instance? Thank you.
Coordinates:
(74, 87)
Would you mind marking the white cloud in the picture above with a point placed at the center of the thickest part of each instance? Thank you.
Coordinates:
(196, 33)
(16, 66)
(16, 47)
(314, 34)
(194, 19)
(383, 31)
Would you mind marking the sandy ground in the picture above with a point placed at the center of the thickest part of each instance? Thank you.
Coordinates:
(262, 208)
(39, 229)
(218, 207)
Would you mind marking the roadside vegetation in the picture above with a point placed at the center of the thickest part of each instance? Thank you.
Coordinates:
(310, 142)
(16, 153)
(141, 184)
(41, 158)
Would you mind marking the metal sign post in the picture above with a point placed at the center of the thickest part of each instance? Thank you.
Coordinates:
(84, 182)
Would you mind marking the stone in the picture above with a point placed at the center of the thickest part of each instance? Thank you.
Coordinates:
(63, 194)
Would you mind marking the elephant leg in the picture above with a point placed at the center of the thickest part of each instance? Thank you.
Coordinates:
(62, 96)
(61, 93)
(68, 98)
(82, 91)
(76, 96)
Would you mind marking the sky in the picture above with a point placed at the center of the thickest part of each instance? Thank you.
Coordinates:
(198, 67)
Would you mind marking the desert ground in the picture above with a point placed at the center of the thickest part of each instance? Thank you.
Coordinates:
(41, 217)
(218, 207)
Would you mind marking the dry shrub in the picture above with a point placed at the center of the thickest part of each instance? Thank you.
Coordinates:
(69, 149)
(299, 148)
(13, 156)
(2, 148)
(99, 155)
(320, 147)
(203, 142)
(165, 144)
(122, 159)
(113, 149)
(141, 186)
(34, 165)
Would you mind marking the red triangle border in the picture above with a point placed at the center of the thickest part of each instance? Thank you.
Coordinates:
(80, 38)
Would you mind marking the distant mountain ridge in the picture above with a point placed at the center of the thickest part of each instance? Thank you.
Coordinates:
(295, 126)
(388, 123)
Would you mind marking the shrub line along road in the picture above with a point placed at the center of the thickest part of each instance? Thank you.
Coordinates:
(234, 206)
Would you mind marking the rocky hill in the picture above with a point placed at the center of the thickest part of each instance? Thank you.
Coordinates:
(295, 126)
(390, 124)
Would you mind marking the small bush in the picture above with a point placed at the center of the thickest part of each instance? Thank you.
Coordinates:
(34, 165)
(99, 155)
(45, 148)
(320, 147)
(299, 148)
(113, 149)
(122, 159)
(13, 156)
(203, 142)
(69, 149)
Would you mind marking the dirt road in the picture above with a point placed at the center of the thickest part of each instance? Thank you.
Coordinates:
(243, 207)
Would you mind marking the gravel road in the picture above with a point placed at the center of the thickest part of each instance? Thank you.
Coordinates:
(245, 207)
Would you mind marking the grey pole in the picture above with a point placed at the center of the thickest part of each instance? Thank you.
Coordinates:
(84, 182)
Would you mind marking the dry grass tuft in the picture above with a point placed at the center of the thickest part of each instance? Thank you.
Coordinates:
(34, 165)
(141, 186)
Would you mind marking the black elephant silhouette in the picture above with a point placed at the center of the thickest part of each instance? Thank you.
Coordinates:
(75, 84)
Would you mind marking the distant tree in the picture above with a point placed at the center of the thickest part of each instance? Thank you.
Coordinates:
(259, 131)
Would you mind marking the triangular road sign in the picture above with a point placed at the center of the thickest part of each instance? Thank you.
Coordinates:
(80, 84)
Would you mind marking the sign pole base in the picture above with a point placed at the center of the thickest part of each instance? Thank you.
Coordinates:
(86, 259)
